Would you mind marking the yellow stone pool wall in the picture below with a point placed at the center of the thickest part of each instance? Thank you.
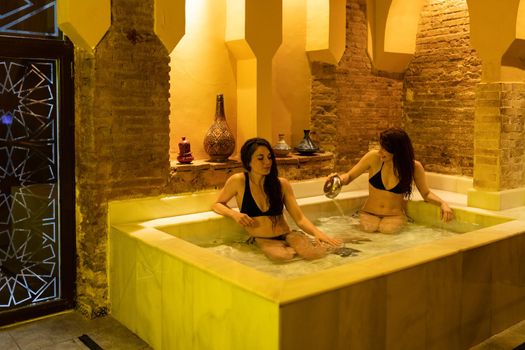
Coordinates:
(450, 294)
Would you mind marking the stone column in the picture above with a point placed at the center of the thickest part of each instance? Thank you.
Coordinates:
(253, 35)
(121, 131)
(498, 37)
(499, 146)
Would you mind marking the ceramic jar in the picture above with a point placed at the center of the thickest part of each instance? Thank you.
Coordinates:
(281, 148)
(185, 156)
(306, 146)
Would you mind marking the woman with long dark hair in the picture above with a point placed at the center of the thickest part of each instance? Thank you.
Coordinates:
(391, 169)
(261, 196)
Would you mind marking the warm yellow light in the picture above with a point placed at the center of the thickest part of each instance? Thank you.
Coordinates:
(81, 29)
(326, 29)
(195, 9)
(401, 26)
(317, 24)
(520, 22)
(236, 19)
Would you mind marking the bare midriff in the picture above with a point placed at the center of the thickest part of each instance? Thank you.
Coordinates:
(384, 203)
(264, 227)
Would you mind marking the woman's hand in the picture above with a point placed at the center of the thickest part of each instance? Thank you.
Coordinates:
(244, 220)
(322, 237)
(344, 178)
(446, 213)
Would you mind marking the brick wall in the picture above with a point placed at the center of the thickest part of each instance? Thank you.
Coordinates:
(122, 135)
(350, 103)
(440, 85)
(434, 100)
(500, 136)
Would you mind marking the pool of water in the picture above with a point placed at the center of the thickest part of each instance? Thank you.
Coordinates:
(343, 227)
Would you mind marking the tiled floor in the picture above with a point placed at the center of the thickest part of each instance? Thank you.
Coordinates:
(62, 331)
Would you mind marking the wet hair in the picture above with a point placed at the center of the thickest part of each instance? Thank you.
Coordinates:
(397, 142)
(272, 185)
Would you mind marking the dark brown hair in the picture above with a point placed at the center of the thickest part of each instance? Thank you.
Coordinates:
(272, 185)
(397, 142)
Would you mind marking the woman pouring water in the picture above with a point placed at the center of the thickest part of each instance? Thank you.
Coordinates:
(391, 169)
(262, 196)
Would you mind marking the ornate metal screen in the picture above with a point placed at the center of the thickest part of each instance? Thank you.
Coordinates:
(36, 18)
(29, 232)
(37, 235)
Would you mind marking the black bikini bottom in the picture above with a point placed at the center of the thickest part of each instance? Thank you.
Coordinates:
(282, 237)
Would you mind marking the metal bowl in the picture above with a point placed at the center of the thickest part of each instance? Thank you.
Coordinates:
(332, 187)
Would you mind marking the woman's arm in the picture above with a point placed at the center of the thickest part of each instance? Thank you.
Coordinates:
(302, 221)
(362, 166)
(231, 188)
(428, 195)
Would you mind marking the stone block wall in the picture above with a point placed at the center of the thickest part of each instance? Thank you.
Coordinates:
(351, 103)
(500, 136)
(434, 100)
(440, 89)
(122, 135)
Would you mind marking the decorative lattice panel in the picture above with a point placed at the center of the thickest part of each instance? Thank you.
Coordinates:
(35, 18)
(29, 242)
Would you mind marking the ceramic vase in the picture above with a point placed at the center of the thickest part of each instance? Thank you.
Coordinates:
(306, 146)
(281, 148)
(219, 142)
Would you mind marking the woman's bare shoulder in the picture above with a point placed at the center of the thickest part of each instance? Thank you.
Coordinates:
(284, 182)
(372, 157)
(236, 179)
(418, 168)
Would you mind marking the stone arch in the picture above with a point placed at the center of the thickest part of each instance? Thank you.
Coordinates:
(401, 26)
(393, 27)
(514, 56)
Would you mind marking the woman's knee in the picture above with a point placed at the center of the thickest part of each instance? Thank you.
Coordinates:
(369, 227)
(390, 229)
(279, 255)
(368, 222)
(392, 225)
(274, 250)
(304, 247)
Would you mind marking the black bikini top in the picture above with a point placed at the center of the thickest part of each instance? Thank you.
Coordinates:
(377, 182)
(250, 208)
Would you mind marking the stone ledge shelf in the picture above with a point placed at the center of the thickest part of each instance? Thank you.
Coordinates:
(202, 174)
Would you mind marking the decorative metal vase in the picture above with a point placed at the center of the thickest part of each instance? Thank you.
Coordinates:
(185, 156)
(306, 146)
(281, 148)
(333, 186)
(219, 142)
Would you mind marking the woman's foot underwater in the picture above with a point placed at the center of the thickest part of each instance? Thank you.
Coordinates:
(342, 250)
(345, 251)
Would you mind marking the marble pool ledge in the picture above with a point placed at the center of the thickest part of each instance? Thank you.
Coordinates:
(283, 291)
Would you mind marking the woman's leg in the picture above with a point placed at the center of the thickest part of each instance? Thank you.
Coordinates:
(276, 250)
(392, 224)
(369, 222)
(304, 247)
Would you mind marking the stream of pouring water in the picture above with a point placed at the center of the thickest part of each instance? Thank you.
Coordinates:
(338, 206)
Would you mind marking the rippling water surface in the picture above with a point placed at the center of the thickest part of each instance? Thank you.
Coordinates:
(343, 227)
